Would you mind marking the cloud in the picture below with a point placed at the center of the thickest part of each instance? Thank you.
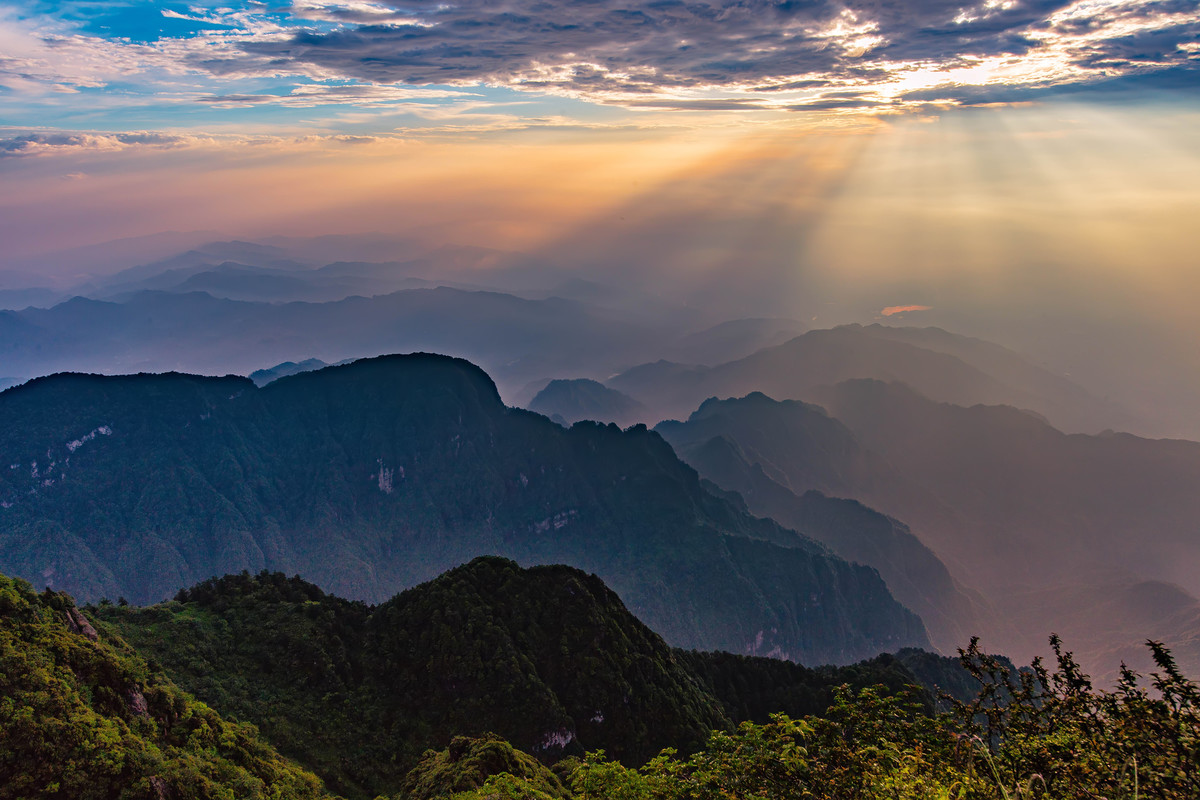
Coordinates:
(38, 57)
(312, 95)
(616, 50)
(41, 143)
(342, 12)
(706, 55)
(893, 310)
(697, 104)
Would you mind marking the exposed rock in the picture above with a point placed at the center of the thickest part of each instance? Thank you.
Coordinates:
(556, 740)
(77, 623)
(160, 789)
(136, 701)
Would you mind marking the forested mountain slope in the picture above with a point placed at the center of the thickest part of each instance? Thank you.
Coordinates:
(548, 658)
(82, 717)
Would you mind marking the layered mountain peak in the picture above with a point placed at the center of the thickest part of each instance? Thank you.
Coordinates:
(937, 364)
(754, 400)
(784, 458)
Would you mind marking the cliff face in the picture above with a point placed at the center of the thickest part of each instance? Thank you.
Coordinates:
(374, 476)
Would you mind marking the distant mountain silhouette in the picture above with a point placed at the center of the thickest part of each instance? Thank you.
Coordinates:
(262, 377)
(1031, 502)
(938, 364)
(1015, 508)
(521, 340)
(734, 339)
(229, 327)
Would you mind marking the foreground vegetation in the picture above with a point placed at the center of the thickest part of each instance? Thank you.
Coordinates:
(1039, 733)
(339, 687)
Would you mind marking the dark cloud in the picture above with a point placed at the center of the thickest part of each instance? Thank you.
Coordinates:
(836, 103)
(1130, 87)
(624, 48)
(1143, 48)
(657, 43)
(938, 30)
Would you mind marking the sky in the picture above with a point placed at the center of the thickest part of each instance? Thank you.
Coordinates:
(1026, 170)
(562, 108)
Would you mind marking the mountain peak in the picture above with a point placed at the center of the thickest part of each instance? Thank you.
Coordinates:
(411, 373)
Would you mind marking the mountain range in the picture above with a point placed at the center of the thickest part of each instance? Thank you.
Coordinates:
(265, 686)
(376, 475)
(522, 340)
(153, 331)
(937, 364)
(221, 307)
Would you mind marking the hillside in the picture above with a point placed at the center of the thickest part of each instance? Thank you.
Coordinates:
(374, 476)
(1030, 498)
(84, 717)
(548, 658)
